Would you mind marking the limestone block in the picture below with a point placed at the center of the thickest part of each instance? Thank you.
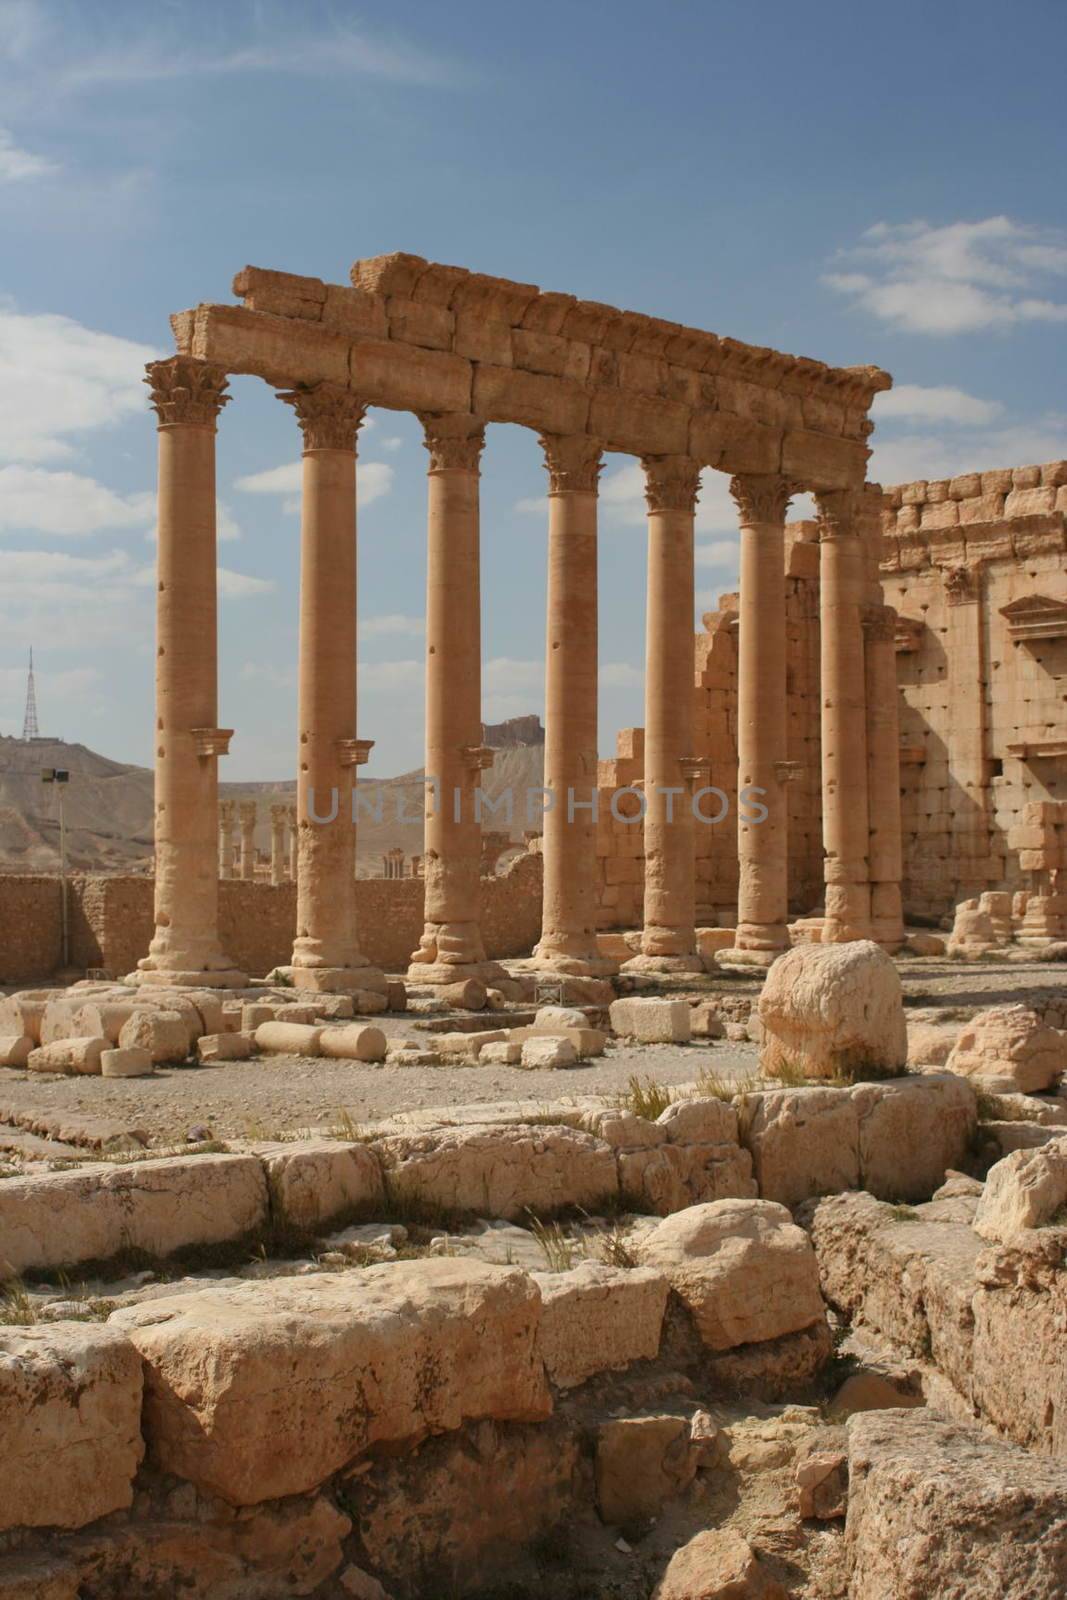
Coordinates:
(254, 1012)
(317, 1181)
(126, 1061)
(717, 1564)
(469, 1044)
(973, 933)
(625, 1131)
(556, 1019)
(942, 1508)
(15, 1049)
(164, 1034)
(370, 1002)
(24, 1012)
(930, 1043)
(924, 944)
(743, 1269)
(640, 1464)
(396, 995)
(548, 1050)
(266, 1389)
(829, 1009)
(611, 946)
(911, 1132)
(1027, 1189)
(358, 1041)
(803, 1142)
(639, 423)
(500, 1053)
(1032, 502)
(68, 1055)
(1009, 1048)
(549, 405)
(706, 1021)
(70, 1397)
(586, 1041)
(57, 1219)
(289, 1038)
(59, 1019)
(711, 940)
(468, 995)
(652, 1021)
(228, 1046)
(103, 1019)
(823, 462)
(499, 1171)
(699, 1121)
(672, 1176)
(297, 1011)
(1017, 1377)
(598, 1319)
(821, 1477)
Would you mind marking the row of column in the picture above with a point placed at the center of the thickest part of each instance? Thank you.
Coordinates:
(859, 753)
(240, 860)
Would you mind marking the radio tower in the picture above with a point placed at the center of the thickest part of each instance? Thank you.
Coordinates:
(29, 721)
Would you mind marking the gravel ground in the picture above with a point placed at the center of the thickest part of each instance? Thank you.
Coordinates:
(277, 1094)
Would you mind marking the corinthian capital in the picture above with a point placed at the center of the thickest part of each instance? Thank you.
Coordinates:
(574, 462)
(762, 497)
(329, 416)
(841, 513)
(186, 391)
(671, 482)
(455, 442)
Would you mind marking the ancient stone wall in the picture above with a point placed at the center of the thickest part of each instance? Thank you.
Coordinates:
(975, 567)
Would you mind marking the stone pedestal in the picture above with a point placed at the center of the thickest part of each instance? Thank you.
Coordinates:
(762, 728)
(277, 844)
(187, 396)
(568, 922)
(247, 812)
(227, 811)
(451, 946)
(842, 581)
(326, 954)
(668, 941)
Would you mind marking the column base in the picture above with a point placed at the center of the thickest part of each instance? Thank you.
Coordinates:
(212, 978)
(834, 932)
(336, 980)
(752, 959)
(439, 973)
(644, 963)
(572, 966)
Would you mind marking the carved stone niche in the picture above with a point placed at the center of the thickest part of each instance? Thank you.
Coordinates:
(1035, 618)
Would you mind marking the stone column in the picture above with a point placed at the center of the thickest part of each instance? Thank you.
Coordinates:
(885, 857)
(277, 844)
(569, 903)
(187, 396)
(226, 816)
(968, 744)
(845, 825)
(762, 724)
(294, 843)
(326, 954)
(451, 947)
(248, 839)
(668, 942)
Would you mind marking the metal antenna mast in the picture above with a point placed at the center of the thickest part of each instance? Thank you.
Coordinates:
(29, 722)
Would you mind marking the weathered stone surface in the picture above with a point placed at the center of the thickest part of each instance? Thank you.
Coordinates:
(126, 1061)
(548, 1050)
(359, 1041)
(911, 1131)
(1009, 1048)
(498, 1171)
(640, 1463)
(1018, 1375)
(832, 1009)
(23, 1012)
(931, 1043)
(556, 1019)
(15, 1049)
(38, 1578)
(68, 1056)
(939, 1508)
(289, 1038)
(669, 1177)
(821, 1477)
(58, 1219)
(164, 1034)
(265, 1390)
(232, 1045)
(70, 1399)
(316, 1181)
(742, 1268)
(652, 1021)
(803, 1142)
(1028, 1189)
(717, 1564)
(598, 1319)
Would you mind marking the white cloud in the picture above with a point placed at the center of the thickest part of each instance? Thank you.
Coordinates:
(394, 441)
(63, 690)
(239, 585)
(275, 480)
(374, 479)
(940, 403)
(622, 496)
(392, 624)
(620, 675)
(955, 277)
(390, 676)
(17, 164)
(66, 503)
(74, 603)
(934, 455)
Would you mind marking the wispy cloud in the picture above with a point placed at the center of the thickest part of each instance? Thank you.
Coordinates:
(68, 504)
(17, 164)
(904, 457)
(391, 625)
(955, 277)
(940, 403)
(374, 479)
(240, 585)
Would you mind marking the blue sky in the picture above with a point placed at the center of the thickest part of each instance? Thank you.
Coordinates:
(857, 183)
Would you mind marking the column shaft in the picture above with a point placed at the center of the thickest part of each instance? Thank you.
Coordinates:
(277, 844)
(568, 922)
(326, 953)
(187, 396)
(883, 776)
(669, 938)
(451, 947)
(842, 585)
(225, 812)
(248, 840)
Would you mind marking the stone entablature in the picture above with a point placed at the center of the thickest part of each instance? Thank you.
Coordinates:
(413, 335)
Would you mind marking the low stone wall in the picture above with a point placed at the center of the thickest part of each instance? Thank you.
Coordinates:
(111, 920)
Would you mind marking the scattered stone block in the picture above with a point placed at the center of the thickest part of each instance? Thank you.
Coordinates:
(931, 1043)
(924, 944)
(267, 1389)
(68, 1055)
(300, 1011)
(911, 1132)
(126, 1061)
(711, 940)
(558, 1019)
(15, 1049)
(640, 1463)
(830, 1010)
(1009, 1048)
(396, 994)
(599, 1319)
(70, 1396)
(717, 1564)
(104, 1018)
(500, 1053)
(821, 1477)
(316, 1181)
(706, 1021)
(1028, 1189)
(23, 1012)
(871, 1391)
(743, 1269)
(546, 1050)
(164, 1034)
(355, 1042)
(289, 1038)
(803, 1142)
(369, 1002)
(499, 1171)
(255, 1012)
(652, 1021)
(467, 995)
(228, 1046)
(335, 1007)
(468, 1044)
